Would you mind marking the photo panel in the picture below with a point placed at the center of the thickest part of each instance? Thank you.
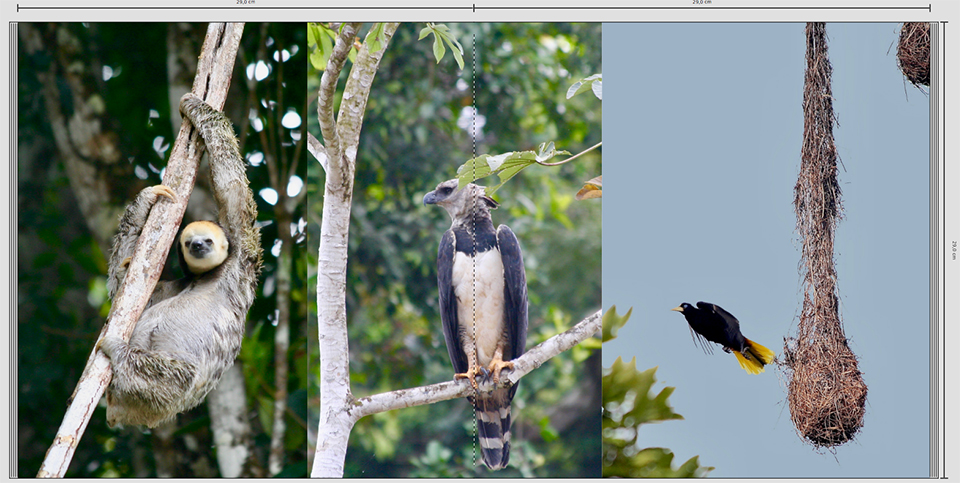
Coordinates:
(99, 115)
(745, 179)
(431, 292)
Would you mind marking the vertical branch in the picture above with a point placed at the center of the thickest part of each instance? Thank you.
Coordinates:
(281, 343)
(279, 171)
(341, 138)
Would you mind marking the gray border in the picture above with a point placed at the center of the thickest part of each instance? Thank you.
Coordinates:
(14, 222)
(934, 252)
(939, 229)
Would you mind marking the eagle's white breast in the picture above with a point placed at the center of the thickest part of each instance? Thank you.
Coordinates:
(479, 300)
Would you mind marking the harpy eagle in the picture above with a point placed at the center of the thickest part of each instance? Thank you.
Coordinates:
(483, 306)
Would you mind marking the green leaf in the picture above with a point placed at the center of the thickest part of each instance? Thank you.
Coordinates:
(546, 431)
(441, 34)
(455, 47)
(591, 343)
(629, 403)
(613, 322)
(321, 43)
(505, 165)
(317, 60)
(438, 48)
(586, 84)
(375, 38)
(425, 31)
(627, 397)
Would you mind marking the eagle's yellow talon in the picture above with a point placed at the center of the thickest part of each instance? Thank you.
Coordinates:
(498, 365)
(471, 374)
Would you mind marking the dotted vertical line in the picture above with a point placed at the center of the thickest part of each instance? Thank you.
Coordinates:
(473, 235)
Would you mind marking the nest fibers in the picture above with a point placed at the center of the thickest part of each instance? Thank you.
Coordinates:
(913, 53)
(826, 391)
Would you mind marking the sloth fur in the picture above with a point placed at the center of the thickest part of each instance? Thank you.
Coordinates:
(192, 328)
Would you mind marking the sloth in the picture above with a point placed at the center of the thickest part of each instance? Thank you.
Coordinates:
(191, 329)
(203, 247)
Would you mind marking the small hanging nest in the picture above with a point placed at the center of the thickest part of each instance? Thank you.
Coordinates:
(827, 394)
(826, 391)
(913, 53)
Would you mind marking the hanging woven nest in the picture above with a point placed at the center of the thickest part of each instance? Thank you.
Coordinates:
(826, 394)
(826, 391)
(913, 53)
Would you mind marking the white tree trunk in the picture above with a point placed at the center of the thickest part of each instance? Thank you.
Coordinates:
(228, 421)
(341, 138)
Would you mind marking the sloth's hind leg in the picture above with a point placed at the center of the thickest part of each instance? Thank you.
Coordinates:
(148, 387)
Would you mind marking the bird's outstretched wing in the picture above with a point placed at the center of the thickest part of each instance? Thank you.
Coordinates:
(701, 341)
(732, 322)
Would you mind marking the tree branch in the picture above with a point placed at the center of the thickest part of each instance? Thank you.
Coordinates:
(571, 158)
(317, 150)
(328, 89)
(214, 72)
(523, 365)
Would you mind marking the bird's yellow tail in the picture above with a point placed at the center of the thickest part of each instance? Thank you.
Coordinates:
(754, 357)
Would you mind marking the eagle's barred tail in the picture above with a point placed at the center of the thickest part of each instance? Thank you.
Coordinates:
(493, 426)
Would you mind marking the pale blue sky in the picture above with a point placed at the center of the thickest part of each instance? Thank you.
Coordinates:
(702, 130)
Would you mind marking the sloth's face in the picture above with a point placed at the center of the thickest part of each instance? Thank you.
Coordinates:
(199, 246)
(204, 246)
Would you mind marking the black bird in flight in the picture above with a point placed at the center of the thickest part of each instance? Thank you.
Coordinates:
(709, 322)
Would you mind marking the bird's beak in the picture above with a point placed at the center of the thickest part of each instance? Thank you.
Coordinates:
(429, 198)
(677, 309)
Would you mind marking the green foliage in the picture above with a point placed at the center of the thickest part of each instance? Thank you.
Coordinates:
(505, 166)
(410, 142)
(375, 38)
(442, 34)
(593, 83)
(613, 322)
(320, 41)
(628, 403)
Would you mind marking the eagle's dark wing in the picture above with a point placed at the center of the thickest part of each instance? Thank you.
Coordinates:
(448, 302)
(514, 291)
